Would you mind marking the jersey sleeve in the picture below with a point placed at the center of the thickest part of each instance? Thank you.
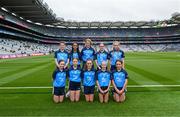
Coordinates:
(82, 75)
(126, 75)
(55, 54)
(95, 57)
(108, 55)
(96, 75)
(112, 75)
(67, 73)
(54, 74)
(94, 52)
(68, 54)
(81, 53)
(123, 56)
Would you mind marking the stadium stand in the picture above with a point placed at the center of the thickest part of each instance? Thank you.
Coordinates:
(21, 36)
(14, 47)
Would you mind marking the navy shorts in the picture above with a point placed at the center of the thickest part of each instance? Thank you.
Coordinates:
(89, 89)
(74, 86)
(59, 91)
(104, 88)
(119, 88)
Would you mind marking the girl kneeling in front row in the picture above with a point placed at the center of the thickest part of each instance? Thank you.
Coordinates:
(103, 79)
(88, 77)
(119, 81)
(59, 81)
(75, 81)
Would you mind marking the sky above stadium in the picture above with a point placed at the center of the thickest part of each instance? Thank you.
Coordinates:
(114, 10)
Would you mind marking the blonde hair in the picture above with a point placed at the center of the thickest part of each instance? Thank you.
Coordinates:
(88, 40)
(116, 42)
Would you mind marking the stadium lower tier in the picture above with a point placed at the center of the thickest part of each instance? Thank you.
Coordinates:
(11, 46)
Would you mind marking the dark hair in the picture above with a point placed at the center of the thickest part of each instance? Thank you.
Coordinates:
(86, 64)
(72, 50)
(60, 61)
(119, 61)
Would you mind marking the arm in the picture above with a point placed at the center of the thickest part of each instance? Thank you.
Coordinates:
(56, 62)
(123, 56)
(66, 64)
(124, 87)
(108, 87)
(123, 65)
(117, 90)
(99, 88)
(97, 64)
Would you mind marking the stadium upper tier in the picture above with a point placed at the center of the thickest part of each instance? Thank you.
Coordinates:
(13, 26)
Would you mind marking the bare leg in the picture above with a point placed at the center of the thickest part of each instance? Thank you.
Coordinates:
(61, 98)
(87, 98)
(101, 97)
(77, 95)
(91, 97)
(106, 97)
(122, 97)
(56, 99)
(72, 96)
(117, 96)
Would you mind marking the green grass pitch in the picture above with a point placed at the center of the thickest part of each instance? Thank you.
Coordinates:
(153, 89)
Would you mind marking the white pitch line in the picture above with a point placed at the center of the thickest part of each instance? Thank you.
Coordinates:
(49, 87)
(154, 85)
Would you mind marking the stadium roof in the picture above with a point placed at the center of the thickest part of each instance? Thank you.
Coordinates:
(33, 10)
(38, 11)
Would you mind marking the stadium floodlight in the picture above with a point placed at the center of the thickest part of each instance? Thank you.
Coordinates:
(83, 27)
(38, 23)
(49, 25)
(14, 14)
(94, 27)
(29, 21)
(113, 27)
(103, 27)
(61, 26)
(133, 27)
(72, 27)
(21, 18)
(4, 9)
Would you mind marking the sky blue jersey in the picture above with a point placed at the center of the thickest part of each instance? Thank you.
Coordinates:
(103, 77)
(59, 78)
(119, 77)
(87, 53)
(101, 56)
(61, 55)
(88, 77)
(116, 55)
(74, 74)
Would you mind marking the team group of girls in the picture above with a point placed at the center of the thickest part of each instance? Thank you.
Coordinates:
(81, 72)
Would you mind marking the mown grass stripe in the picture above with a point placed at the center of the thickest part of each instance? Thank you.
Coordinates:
(49, 87)
(21, 69)
(13, 77)
(149, 75)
